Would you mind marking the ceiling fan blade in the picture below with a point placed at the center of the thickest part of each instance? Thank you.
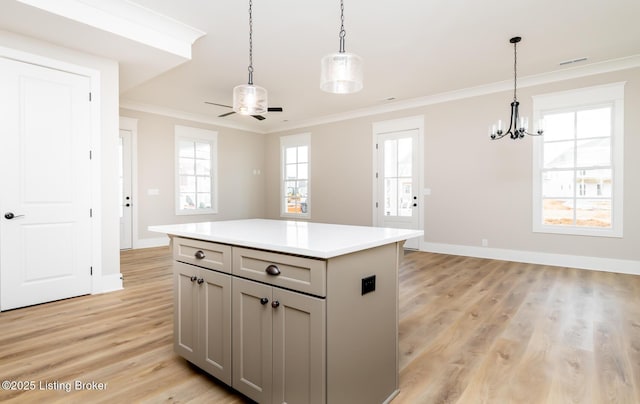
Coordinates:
(220, 105)
(259, 117)
(227, 114)
(274, 109)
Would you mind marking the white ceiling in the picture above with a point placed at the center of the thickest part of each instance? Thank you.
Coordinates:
(411, 48)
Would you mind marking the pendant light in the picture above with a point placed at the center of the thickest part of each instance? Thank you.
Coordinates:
(341, 73)
(518, 126)
(249, 99)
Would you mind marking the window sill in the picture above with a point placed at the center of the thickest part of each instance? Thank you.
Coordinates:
(578, 231)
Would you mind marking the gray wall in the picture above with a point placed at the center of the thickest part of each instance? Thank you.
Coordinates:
(481, 189)
(241, 193)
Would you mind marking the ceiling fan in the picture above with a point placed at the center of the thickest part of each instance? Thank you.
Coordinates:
(258, 117)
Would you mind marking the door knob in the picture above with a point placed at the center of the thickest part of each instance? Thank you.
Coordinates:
(275, 304)
(200, 281)
(194, 278)
(11, 215)
(264, 301)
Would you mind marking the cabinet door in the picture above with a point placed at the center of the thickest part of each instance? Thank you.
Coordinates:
(299, 348)
(185, 324)
(252, 339)
(215, 324)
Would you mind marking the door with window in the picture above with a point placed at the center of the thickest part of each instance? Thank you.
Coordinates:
(397, 181)
(45, 203)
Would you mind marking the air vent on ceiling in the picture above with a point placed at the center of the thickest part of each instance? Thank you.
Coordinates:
(568, 62)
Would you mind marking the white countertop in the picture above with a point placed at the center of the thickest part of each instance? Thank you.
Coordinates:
(318, 240)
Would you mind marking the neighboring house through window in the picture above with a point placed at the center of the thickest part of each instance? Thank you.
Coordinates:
(294, 178)
(577, 162)
(196, 173)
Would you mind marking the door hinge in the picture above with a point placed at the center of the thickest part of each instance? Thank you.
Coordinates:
(376, 204)
(376, 146)
(376, 175)
(90, 212)
(89, 96)
(90, 270)
(90, 155)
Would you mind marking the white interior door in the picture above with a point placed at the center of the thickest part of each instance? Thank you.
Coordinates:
(397, 181)
(125, 190)
(45, 224)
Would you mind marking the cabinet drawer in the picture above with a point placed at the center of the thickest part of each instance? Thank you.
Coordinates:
(202, 253)
(297, 273)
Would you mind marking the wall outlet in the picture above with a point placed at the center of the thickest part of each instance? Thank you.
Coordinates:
(368, 284)
(485, 242)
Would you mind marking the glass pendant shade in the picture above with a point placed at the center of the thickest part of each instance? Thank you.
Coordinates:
(249, 100)
(341, 73)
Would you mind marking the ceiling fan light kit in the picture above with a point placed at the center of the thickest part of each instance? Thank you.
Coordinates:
(341, 72)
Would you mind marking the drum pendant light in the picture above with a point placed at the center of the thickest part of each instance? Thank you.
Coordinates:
(341, 72)
(249, 99)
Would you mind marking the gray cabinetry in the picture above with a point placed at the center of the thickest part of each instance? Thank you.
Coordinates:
(202, 316)
(279, 344)
(284, 328)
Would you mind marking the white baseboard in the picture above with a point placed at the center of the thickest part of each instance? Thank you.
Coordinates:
(542, 258)
(110, 283)
(151, 242)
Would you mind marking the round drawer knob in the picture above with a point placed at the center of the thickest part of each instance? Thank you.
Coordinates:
(264, 301)
(275, 304)
(199, 254)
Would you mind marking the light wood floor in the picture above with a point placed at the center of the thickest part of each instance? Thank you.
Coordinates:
(471, 331)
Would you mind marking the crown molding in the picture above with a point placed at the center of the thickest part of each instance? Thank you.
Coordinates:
(129, 20)
(528, 81)
(184, 115)
(629, 62)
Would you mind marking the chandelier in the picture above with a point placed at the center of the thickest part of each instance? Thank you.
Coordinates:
(518, 125)
(247, 98)
(341, 72)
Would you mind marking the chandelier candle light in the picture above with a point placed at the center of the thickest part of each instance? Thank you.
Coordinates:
(341, 73)
(247, 98)
(518, 126)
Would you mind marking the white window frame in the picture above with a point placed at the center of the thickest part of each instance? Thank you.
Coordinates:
(611, 94)
(204, 136)
(303, 139)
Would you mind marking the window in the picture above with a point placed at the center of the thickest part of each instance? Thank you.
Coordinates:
(294, 195)
(195, 166)
(578, 162)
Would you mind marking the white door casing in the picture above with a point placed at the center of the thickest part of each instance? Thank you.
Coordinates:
(45, 249)
(398, 165)
(126, 197)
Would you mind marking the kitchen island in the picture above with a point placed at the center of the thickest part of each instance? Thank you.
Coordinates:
(287, 311)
